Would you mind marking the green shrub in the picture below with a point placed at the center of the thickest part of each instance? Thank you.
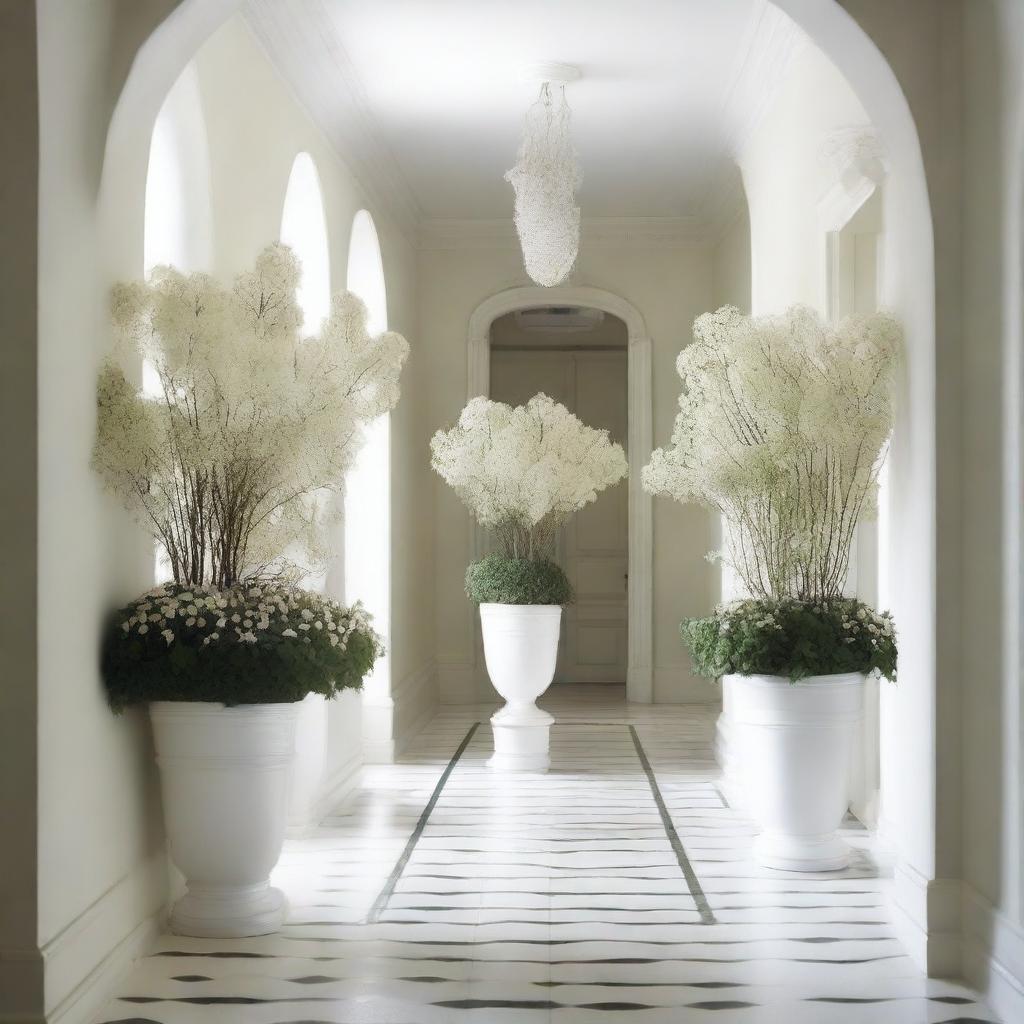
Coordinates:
(498, 579)
(250, 644)
(792, 638)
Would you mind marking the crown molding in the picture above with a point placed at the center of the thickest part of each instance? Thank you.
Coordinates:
(595, 233)
(770, 44)
(301, 41)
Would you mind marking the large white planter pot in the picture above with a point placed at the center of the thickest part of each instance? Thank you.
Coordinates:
(225, 774)
(794, 746)
(521, 648)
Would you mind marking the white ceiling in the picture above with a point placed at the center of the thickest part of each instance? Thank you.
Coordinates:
(426, 96)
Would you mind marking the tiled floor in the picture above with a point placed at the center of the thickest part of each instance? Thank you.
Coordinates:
(616, 887)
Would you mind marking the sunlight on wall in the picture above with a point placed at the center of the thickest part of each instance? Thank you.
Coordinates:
(304, 228)
(368, 486)
(178, 220)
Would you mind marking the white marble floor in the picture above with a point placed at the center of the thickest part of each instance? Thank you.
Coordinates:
(615, 888)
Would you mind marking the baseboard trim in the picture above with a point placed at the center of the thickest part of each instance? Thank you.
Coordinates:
(416, 701)
(334, 792)
(926, 916)
(457, 682)
(83, 963)
(993, 955)
(676, 684)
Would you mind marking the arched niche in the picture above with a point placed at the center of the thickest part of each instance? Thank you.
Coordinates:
(368, 502)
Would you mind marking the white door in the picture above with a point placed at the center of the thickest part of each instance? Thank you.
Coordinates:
(593, 546)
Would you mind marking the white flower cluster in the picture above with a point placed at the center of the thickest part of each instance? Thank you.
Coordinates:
(868, 625)
(249, 613)
(782, 426)
(228, 463)
(524, 470)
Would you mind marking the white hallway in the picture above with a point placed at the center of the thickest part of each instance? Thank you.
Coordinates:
(617, 887)
(189, 131)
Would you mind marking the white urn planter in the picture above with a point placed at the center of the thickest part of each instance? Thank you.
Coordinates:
(521, 649)
(225, 775)
(794, 744)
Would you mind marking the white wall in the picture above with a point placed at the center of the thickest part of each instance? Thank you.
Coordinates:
(990, 637)
(102, 878)
(670, 287)
(730, 264)
(101, 869)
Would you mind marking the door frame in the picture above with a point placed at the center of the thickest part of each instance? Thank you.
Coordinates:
(640, 433)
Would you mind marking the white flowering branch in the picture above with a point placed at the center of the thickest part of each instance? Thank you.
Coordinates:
(228, 464)
(523, 471)
(782, 427)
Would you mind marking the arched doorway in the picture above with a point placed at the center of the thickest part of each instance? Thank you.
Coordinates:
(639, 673)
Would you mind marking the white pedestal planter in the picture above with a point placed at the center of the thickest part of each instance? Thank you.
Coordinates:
(225, 774)
(794, 747)
(521, 648)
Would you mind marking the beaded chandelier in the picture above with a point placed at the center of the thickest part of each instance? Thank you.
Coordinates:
(545, 179)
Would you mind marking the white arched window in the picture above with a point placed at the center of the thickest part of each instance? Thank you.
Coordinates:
(368, 486)
(304, 229)
(177, 223)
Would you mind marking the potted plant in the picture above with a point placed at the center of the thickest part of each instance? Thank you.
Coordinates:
(228, 458)
(782, 429)
(522, 472)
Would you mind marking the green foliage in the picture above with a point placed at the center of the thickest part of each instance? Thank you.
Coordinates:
(498, 579)
(252, 644)
(792, 638)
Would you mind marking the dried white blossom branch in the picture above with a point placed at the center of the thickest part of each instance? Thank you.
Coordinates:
(230, 464)
(523, 471)
(782, 428)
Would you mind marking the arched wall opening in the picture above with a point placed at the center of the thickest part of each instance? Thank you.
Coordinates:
(178, 218)
(368, 502)
(908, 288)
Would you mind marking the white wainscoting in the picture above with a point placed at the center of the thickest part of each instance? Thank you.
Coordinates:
(85, 960)
(993, 955)
(416, 701)
(926, 916)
